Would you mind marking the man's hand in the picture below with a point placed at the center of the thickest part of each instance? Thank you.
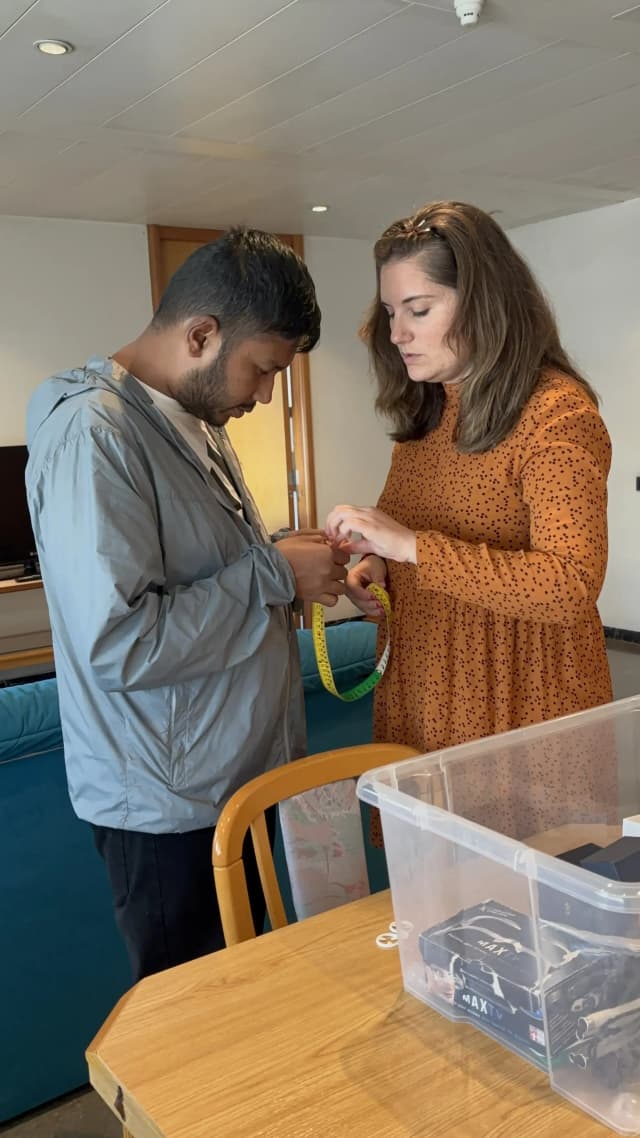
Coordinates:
(319, 570)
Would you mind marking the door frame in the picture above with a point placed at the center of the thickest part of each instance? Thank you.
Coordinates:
(300, 478)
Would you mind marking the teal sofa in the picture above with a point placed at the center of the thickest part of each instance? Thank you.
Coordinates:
(62, 963)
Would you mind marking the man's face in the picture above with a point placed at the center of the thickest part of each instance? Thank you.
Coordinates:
(238, 377)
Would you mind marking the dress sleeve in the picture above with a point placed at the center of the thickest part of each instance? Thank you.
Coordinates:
(563, 470)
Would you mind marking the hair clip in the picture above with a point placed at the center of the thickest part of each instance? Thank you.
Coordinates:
(410, 228)
(422, 228)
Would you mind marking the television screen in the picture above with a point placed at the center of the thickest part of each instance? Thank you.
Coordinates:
(17, 543)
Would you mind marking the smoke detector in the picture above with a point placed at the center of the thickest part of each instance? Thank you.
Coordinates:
(468, 11)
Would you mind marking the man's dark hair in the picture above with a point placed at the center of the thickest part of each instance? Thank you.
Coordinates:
(251, 282)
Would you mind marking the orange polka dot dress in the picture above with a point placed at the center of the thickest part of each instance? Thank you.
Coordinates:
(496, 627)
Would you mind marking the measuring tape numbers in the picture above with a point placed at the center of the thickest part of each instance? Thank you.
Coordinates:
(322, 656)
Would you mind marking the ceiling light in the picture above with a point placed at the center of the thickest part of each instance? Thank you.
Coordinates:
(319, 208)
(53, 47)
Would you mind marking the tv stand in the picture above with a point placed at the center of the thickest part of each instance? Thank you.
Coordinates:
(26, 640)
(20, 585)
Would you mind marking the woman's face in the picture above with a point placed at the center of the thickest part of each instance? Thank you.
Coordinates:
(420, 316)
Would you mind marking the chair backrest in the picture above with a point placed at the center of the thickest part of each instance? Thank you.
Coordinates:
(245, 811)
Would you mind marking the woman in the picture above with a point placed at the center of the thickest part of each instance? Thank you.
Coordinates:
(491, 531)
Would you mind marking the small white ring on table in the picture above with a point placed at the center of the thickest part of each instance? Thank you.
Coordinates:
(387, 940)
(401, 929)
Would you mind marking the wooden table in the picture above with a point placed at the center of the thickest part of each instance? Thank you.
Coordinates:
(306, 1032)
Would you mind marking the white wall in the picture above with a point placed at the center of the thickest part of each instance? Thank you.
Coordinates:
(69, 289)
(352, 451)
(589, 264)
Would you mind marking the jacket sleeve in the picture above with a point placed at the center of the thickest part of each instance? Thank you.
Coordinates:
(133, 631)
(563, 472)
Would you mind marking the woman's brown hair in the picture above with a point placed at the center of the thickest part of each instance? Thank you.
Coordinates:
(504, 325)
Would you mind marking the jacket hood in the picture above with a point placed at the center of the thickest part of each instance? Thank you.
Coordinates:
(97, 374)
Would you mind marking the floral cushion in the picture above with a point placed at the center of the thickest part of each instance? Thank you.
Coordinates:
(324, 848)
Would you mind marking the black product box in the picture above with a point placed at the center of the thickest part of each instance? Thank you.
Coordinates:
(560, 908)
(483, 962)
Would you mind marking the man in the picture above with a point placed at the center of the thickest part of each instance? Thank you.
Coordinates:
(171, 609)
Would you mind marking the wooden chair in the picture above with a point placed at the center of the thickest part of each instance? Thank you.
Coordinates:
(245, 810)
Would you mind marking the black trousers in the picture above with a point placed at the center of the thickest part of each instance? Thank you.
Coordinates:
(164, 897)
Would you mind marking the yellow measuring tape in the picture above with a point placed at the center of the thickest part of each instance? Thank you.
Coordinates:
(322, 655)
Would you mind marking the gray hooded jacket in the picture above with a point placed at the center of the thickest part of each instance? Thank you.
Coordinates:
(176, 657)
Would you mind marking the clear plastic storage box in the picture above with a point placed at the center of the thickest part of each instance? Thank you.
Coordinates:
(497, 928)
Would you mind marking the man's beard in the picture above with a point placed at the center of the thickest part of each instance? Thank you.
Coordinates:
(204, 392)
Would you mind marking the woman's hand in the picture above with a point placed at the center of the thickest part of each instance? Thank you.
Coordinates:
(379, 534)
(371, 570)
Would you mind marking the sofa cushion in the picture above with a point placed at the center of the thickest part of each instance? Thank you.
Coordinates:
(29, 720)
